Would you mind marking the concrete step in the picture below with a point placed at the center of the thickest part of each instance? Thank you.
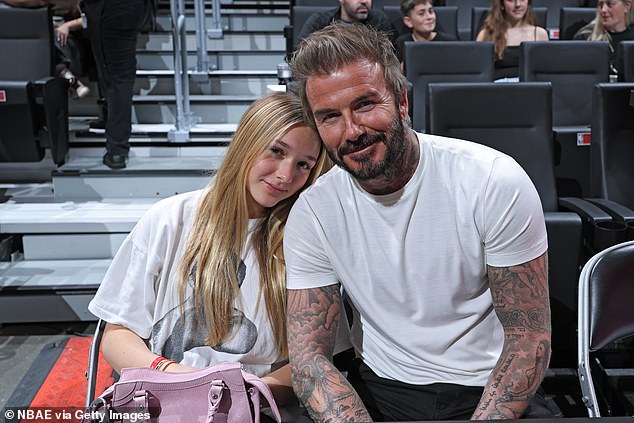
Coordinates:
(231, 83)
(156, 109)
(218, 60)
(71, 246)
(49, 290)
(232, 20)
(230, 42)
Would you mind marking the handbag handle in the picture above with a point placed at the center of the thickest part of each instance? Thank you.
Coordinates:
(215, 396)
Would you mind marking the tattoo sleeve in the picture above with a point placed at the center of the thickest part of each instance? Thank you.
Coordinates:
(521, 302)
(313, 316)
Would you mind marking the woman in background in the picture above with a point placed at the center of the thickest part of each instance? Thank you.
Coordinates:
(613, 23)
(201, 278)
(508, 24)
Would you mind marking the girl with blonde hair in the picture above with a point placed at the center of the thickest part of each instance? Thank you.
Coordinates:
(508, 24)
(201, 277)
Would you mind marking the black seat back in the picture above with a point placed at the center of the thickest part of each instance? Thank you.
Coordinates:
(444, 61)
(612, 149)
(571, 19)
(573, 68)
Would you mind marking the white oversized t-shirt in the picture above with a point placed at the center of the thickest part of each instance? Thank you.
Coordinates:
(414, 262)
(140, 292)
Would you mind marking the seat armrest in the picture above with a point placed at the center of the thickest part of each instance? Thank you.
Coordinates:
(616, 210)
(600, 229)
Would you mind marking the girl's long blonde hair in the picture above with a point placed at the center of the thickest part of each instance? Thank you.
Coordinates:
(495, 26)
(218, 236)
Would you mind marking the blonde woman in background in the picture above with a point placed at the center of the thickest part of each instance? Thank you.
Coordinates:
(201, 278)
(613, 23)
(508, 24)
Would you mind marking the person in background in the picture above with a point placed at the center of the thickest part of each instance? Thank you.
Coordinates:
(66, 21)
(439, 244)
(419, 16)
(508, 24)
(113, 28)
(350, 11)
(201, 278)
(613, 23)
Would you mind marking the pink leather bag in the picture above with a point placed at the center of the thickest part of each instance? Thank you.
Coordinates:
(223, 393)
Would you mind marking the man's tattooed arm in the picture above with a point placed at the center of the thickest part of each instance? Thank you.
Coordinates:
(313, 317)
(521, 301)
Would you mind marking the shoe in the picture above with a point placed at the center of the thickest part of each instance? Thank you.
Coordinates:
(76, 88)
(97, 124)
(114, 161)
(80, 90)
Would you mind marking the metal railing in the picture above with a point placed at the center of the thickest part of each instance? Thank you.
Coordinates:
(185, 119)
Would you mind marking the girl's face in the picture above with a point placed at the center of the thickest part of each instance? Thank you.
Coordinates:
(515, 10)
(613, 14)
(421, 19)
(282, 169)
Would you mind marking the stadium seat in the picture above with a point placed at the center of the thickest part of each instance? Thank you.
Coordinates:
(625, 51)
(571, 19)
(573, 68)
(554, 10)
(33, 103)
(464, 15)
(605, 368)
(443, 61)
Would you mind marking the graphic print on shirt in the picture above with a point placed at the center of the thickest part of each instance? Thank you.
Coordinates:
(189, 333)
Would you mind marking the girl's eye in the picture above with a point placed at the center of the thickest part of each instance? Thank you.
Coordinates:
(304, 165)
(276, 150)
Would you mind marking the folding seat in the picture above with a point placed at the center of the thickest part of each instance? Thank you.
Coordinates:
(573, 68)
(571, 19)
(605, 324)
(625, 51)
(516, 118)
(464, 15)
(33, 103)
(554, 9)
(299, 15)
(444, 61)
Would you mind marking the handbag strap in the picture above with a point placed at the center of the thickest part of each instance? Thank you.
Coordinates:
(263, 389)
(216, 389)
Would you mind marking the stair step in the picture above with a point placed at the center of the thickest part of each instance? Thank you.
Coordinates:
(49, 290)
(233, 42)
(232, 20)
(221, 60)
(112, 215)
(209, 109)
(71, 246)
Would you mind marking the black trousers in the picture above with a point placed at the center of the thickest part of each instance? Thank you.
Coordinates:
(113, 27)
(389, 400)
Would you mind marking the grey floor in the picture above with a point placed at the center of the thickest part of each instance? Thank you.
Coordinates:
(20, 344)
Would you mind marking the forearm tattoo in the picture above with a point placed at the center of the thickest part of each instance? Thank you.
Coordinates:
(313, 316)
(521, 301)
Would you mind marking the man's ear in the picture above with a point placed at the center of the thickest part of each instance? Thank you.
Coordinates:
(403, 105)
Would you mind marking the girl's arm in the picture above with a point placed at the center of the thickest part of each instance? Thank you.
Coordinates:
(123, 348)
(281, 386)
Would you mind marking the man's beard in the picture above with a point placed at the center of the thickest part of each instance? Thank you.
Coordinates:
(393, 139)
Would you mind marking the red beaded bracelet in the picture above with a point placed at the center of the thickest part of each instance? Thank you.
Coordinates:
(156, 361)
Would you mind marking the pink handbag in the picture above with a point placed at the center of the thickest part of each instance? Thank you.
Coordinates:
(222, 393)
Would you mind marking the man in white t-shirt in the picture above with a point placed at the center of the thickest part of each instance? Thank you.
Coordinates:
(440, 245)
